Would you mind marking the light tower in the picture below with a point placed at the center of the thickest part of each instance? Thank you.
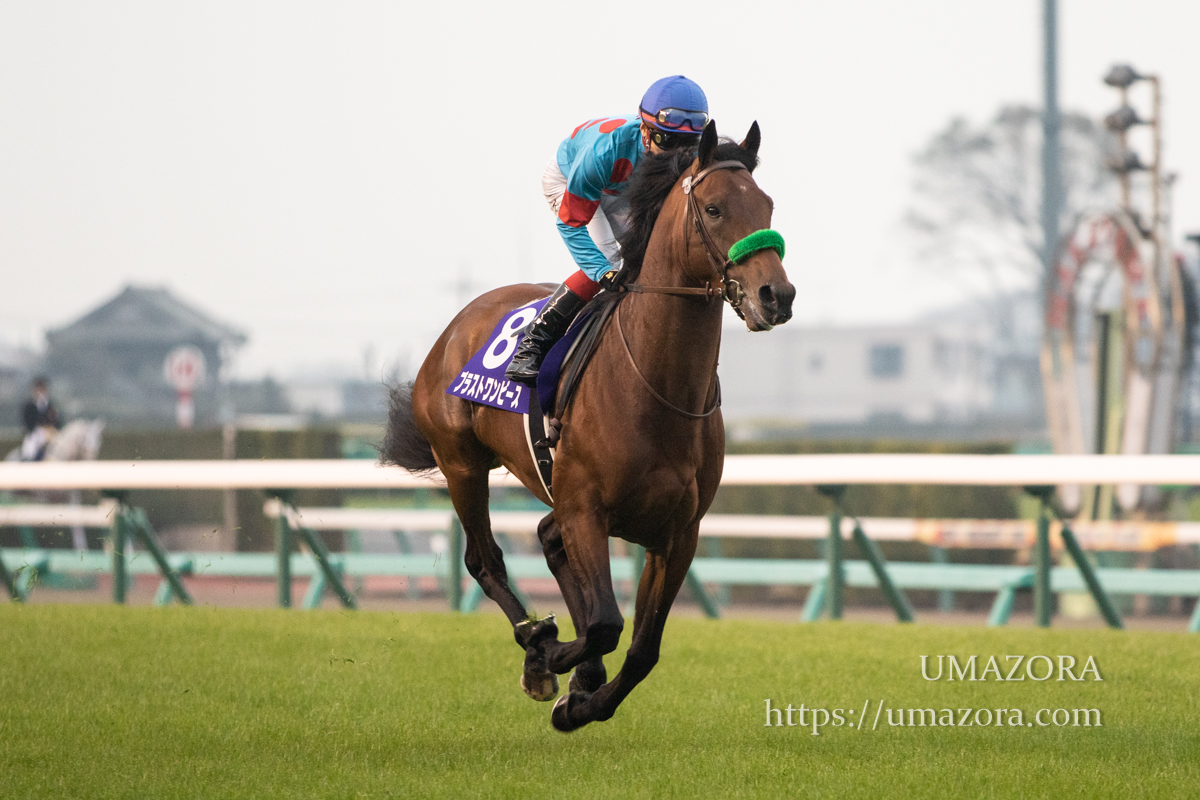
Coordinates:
(1131, 391)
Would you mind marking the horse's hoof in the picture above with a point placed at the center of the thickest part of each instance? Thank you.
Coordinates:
(560, 715)
(530, 634)
(541, 687)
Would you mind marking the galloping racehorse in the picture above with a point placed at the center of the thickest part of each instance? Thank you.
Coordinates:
(642, 443)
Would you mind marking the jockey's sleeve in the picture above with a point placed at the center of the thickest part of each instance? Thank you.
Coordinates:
(584, 251)
(586, 182)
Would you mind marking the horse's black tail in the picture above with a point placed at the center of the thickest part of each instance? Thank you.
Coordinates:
(403, 444)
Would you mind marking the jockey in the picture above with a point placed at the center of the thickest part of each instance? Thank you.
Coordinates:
(583, 183)
(40, 419)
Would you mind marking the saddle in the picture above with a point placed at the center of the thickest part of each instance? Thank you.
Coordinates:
(482, 379)
(558, 380)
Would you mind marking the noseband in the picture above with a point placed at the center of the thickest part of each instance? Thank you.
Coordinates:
(724, 287)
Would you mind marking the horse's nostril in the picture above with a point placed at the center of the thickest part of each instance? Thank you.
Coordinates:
(766, 296)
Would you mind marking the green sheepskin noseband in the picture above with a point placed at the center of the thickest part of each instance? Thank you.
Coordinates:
(759, 240)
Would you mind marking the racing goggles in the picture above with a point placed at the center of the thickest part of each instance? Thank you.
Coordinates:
(675, 118)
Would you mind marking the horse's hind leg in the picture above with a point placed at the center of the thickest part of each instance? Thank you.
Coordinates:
(589, 675)
(485, 562)
(483, 557)
(663, 575)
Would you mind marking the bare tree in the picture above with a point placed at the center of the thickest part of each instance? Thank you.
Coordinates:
(977, 193)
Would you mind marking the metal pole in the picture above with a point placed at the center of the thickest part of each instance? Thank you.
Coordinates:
(141, 525)
(816, 599)
(707, 604)
(893, 593)
(283, 550)
(229, 515)
(1052, 192)
(638, 555)
(939, 555)
(120, 532)
(9, 584)
(1042, 599)
(1156, 188)
(835, 591)
(321, 553)
(455, 590)
(1089, 577)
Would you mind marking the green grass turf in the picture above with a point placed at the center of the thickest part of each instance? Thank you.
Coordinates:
(103, 701)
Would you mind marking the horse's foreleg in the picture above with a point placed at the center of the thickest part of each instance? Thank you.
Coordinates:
(663, 575)
(589, 675)
(580, 563)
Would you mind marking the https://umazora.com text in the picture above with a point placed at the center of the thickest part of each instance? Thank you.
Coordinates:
(878, 714)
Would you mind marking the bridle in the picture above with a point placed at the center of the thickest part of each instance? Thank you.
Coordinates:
(724, 287)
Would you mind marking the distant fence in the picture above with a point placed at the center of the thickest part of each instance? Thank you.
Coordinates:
(830, 474)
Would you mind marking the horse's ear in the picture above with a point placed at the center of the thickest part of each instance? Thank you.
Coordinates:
(753, 139)
(708, 143)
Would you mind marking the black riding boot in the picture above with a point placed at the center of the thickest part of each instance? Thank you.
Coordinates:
(544, 331)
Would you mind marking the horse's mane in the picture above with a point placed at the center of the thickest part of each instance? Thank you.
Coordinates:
(648, 188)
(652, 180)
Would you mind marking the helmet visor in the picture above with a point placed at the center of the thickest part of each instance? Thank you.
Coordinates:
(674, 119)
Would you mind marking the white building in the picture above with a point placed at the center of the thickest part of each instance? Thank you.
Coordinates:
(954, 369)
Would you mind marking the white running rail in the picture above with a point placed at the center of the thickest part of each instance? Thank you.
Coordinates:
(962, 470)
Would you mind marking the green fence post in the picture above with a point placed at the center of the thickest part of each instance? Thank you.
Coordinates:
(411, 589)
(1089, 577)
(332, 579)
(639, 563)
(455, 589)
(945, 596)
(29, 539)
(354, 545)
(1003, 605)
(473, 597)
(141, 525)
(1042, 596)
(836, 589)
(707, 604)
(721, 590)
(120, 536)
(9, 584)
(814, 602)
(894, 595)
(283, 546)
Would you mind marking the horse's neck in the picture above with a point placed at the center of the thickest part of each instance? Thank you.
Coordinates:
(675, 339)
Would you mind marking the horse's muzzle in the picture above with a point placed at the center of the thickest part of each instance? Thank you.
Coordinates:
(771, 305)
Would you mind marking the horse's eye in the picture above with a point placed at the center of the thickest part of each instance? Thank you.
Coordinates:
(712, 211)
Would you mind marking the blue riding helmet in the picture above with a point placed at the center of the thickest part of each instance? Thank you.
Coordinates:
(675, 104)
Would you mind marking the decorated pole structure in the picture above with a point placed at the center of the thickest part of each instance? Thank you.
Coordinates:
(1124, 397)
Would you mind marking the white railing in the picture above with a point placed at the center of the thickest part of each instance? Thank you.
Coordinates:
(961, 470)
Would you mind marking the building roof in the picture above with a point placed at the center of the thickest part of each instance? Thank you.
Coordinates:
(142, 314)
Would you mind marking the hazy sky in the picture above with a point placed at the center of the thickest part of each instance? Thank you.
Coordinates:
(322, 174)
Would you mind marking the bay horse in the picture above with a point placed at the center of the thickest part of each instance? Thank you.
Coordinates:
(642, 442)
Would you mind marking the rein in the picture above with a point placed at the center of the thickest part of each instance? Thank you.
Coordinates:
(724, 287)
(716, 401)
